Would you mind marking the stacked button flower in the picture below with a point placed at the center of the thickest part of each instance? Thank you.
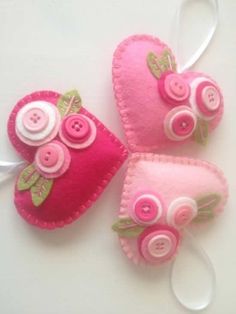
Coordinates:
(194, 103)
(156, 226)
(52, 129)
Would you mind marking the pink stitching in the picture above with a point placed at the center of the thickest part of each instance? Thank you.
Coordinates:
(162, 159)
(104, 182)
(116, 69)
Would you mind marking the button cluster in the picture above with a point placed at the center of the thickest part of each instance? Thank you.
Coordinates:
(173, 88)
(37, 123)
(147, 209)
(52, 159)
(181, 212)
(77, 131)
(158, 243)
(180, 123)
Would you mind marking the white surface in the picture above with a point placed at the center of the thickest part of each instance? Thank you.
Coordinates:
(61, 45)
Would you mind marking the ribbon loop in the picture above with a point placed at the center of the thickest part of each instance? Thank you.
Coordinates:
(205, 43)
(192, 277)
(8, 168)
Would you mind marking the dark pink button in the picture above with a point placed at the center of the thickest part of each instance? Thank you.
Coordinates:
(183, 215)
(183, 124)
(35, 120)
(146, 209)
(208, 98)
(48, 155)
(174, 89)
(76, 128)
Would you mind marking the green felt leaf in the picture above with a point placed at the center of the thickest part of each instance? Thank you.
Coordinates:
(201, 132)
(69, 103)
(206, 205)
(27, 178)
(160, 64)
(41, 190)
(127, 228)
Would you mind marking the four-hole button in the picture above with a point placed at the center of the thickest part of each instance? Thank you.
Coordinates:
(205, 98)
(77, 131)
(77, 127)
(35, 120)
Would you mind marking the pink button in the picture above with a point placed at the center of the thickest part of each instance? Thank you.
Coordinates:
(183, 216)
(208, 98)
(181, 211)
(49, 155)
(211, 97)
(158, 243)
(183, 124)
(174, 89)
(180, 123)
(52, 160)
(76, 128)
(35, 120)
(146, 209)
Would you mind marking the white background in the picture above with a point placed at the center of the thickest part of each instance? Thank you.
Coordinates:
(61, 45)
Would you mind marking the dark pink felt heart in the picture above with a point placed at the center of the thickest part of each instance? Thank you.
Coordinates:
(72, 157)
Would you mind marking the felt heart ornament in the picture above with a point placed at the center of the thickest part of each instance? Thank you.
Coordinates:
(159, 107)
(71, 157)
(161, 196)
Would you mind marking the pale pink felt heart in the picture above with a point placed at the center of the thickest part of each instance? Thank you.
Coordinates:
(160, 108)
(161, 196)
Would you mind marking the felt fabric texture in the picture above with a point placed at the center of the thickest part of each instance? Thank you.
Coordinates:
(170, 178)
(140, 104)
(89, 172)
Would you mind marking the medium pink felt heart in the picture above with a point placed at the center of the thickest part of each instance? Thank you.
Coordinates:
(159, 107)
(72, 157)
(162, 195)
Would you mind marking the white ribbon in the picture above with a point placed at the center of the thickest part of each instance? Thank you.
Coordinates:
(8, 168)
(199, 283)
(199, 52)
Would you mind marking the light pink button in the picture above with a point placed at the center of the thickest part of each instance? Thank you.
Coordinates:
(211, 97)
(183, 124)
(174, 89)
(158, 243)
(147, 209)
(49, 155)
(76, 128)
(35, 120)
(208, 98)
(181, 211)
(183, 216)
